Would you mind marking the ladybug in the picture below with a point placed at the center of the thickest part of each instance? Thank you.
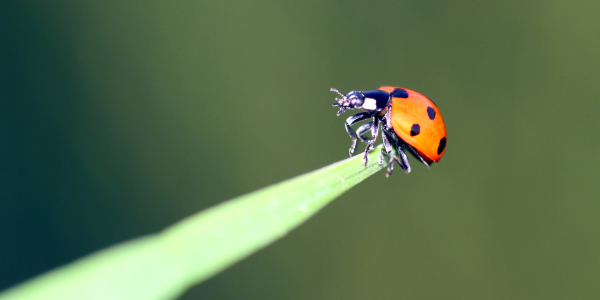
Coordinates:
(408, 120)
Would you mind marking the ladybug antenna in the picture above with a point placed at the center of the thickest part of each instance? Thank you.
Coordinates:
(335, 90)
(338, 100)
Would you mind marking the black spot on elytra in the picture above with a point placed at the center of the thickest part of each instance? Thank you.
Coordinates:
(400, 93)
(415, 130)
(430, 112)
(442, 145)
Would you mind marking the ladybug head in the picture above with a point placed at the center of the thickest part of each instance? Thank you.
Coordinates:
(352, 100)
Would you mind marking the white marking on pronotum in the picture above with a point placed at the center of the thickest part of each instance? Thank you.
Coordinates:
(370, 104)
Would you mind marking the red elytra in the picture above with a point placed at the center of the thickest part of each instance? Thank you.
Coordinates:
(430, 142)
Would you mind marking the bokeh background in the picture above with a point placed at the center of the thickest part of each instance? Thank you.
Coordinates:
(118, 118)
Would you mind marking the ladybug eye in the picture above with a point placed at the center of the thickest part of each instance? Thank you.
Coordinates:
(356, 102)
(356, 99)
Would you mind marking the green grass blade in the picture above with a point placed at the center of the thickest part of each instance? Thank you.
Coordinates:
(164, 265)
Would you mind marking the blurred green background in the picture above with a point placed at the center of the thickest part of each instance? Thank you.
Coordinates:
(118, 118)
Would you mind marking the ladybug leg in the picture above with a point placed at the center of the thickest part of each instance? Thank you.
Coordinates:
(388, 116)
(387, 151)
(360, 132)
(387, 145)
(387, 137)
(390, 167)
(416, 154)
(402, 159)
(351, 121)
(374, 132)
